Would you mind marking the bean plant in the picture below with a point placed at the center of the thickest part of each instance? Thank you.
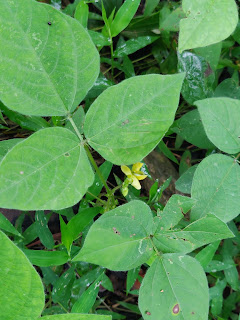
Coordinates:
(49, 64)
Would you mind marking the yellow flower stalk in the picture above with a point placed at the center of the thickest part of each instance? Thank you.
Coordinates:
(133, 176)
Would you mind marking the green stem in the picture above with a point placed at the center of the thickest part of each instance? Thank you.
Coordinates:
(97, 169)
(154, 247)
(92, 195)
(75, 128)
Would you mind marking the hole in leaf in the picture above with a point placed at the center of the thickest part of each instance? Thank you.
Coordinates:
(67, 154)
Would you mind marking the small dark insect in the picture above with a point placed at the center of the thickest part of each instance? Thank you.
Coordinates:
(49, 23)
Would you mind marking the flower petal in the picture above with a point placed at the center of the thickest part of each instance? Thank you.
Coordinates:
(126, 170)
(137, 166)
(140, 176)
(136, 183)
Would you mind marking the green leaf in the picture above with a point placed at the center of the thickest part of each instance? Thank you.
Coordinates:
(170, 21)
(123, 16)
(199, 77)
(78, 118)
(211, 54)
(97, 185)
(221, 118)
(48, 170)
(150, 5)
(7, 145)
(136, 114)
(22, 294)
(206, 254)
(203, 231)
(42, 258)
(228, 88)
(231, 274)
(62, 288)
(204, 23)
(6, 225)
(174, 211)
(81, 13)
(31, 123)
(76, 316)
(43, 232)
(216, 188)
(184, 183)
(46, 69)
(87, 299)
(118, 240)
(190, 128)
(66, 236)
(168, 290)
(167, 152)
(77, 224)
(133, 45)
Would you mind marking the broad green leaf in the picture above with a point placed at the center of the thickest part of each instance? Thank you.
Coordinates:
(22, 294)
(190, 128)
(204, 23)
(42, 258)
(221, 118)
(216, 188)
(6, 225)
(169, 288)
(47, 60)
(201, 232)
(118, 240)
(123, 16)
(184, 183)
(133, 45)
(211, 54)
(174, 211)
(48, 170)
(7, 145)
(206, 254)
(128, 120)
(199, 77)
(228, 88)
(76, 316)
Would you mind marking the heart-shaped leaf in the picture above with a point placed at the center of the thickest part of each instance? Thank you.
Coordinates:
(128, 120)
(47, 59)
(204, 23)
(119, 240)
(221, 118)
(48, 170)
(169, 288)
(216, 188)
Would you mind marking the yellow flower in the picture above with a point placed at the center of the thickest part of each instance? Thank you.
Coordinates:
(134, 175)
